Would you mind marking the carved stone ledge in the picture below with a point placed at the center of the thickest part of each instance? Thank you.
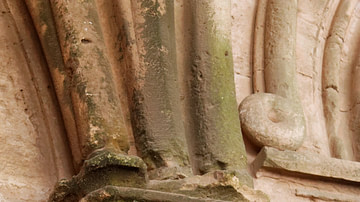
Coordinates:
(324, 195)
(220, 185)
(307, 164)
(110, 176)
(113, 193)
(214, 186)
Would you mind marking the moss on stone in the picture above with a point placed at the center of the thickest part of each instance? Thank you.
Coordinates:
(160, 136)
(49, 40)
(222, 92)
(103, 168)
(216, 125)
(105, 158)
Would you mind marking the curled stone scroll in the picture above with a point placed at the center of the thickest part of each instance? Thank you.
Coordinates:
(277, 119)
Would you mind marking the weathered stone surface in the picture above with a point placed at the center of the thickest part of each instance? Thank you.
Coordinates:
(337, 77)
(325, 195)
(154, 91)
(110, 177)
(89, 79)
(210, 101)
(271, 120)
(275, 44)
(308, 164)
(102, 169)
(280, 48)
(44, 24)
(33, 150)
(112, 193)
(278, 63)
(223, 185)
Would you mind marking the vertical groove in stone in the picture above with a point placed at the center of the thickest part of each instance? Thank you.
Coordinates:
(95, 101)
(30, 70)
(183, 36)
(156, 114)
(258, 47)
(16, 72)
(29, 158)
(355, 113)
(42, 17)
(349, 86)
(355, 90)
(212, 111)
(39, 74)
(330, 80)
(347, 76)
(118, 29)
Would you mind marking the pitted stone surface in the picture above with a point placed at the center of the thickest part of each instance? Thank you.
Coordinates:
(271, 120)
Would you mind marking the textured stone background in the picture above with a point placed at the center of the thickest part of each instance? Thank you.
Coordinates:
(34, 152)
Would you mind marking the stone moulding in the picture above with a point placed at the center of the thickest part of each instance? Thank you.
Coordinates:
(101, 169)
(324, 195)
(113, 193)
(107, 176)
(308, 164)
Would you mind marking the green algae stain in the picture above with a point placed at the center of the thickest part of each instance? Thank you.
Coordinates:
(49, 37)
(223, 94)
(213, 93)
(160, 79)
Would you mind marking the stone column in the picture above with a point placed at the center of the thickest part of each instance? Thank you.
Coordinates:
(156, 111)
(210, 101)
(280, 42)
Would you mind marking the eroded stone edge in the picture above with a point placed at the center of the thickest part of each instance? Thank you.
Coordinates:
(307, 163)
(110, 193)
(102, 169)
(324, 195)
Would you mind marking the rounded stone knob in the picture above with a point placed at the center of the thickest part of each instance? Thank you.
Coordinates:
(271, 120)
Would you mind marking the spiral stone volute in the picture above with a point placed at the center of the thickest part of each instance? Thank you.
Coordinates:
(271, 120)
